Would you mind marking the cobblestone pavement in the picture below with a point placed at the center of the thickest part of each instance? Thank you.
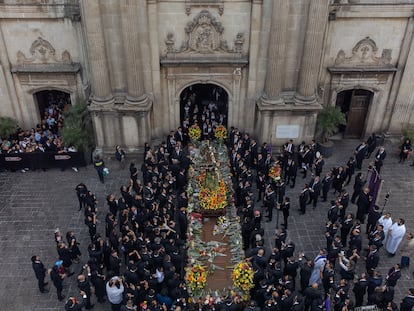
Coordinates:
(33, 204)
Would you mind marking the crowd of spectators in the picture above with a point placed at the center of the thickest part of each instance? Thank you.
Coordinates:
(138, 262)
(45, 136)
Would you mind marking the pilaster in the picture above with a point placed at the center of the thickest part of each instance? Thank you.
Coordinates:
(315, 30)
(133, 59)
(101, 84)
(277, 50)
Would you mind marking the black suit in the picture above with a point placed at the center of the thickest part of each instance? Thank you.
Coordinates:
(314, 192)
(363, 206)
(407, 303)
(360, 153)
(379, 159)
(372, 261)
(270, 203)
(303, 199)
(40, 272)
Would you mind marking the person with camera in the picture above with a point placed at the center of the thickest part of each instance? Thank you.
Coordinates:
(114, 292)
(73, 304)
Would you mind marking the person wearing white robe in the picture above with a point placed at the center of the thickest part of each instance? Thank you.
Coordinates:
(319, 263)
(386, 222)
(395, 235)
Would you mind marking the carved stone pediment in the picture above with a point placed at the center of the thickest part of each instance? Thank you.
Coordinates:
(364, 54)
(42, 52)
(204, 38)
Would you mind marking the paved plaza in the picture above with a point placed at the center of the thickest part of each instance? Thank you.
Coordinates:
(34, 204)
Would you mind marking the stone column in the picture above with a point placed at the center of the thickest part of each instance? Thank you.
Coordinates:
(312, 49)
(402, 110)
(101, 84)
(277, 50)
(134, 71)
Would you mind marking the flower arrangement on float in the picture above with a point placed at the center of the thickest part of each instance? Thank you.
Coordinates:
(194, 132)
(196, 278)
(274, 172)
(212, 191)
(243, 277)
(220, 133)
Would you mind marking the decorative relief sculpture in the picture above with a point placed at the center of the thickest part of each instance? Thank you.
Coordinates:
(364, 54)
(210, 3)
(204, 36)
(42, 52)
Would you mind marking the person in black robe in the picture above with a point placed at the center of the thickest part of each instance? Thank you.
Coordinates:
(360, 289)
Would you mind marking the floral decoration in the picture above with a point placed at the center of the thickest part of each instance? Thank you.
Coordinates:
(243, 276)
(274, 172)
(213, 191)
(220, 132)
(196, 278)
(194, 132)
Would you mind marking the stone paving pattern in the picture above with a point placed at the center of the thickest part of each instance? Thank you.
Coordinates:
(33, 204)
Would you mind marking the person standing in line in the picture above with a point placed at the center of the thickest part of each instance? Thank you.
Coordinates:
(326, 186)
(395, 235)
(360, 153)
(349, 170)
(314, 191)
(57, 275)
(394, 274)
(40, 272)
(407, 303)
(379, 158)
(358, 185)
(363, 204)
(285, 210)
(303, 199)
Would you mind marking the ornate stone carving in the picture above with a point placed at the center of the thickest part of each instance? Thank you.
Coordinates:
(364, 54)
(204, 36)
(42, 52)
(189, 4)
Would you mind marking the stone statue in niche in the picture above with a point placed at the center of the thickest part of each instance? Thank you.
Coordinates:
(364, 53)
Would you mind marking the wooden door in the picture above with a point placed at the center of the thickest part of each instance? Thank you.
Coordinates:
(357, 114)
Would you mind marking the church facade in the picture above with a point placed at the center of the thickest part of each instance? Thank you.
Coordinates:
(277, 63)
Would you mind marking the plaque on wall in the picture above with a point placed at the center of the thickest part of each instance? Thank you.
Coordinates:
(287, 131)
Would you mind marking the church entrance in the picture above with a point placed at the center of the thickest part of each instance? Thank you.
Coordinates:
(51, 99)
(354, 104)
(205, 105)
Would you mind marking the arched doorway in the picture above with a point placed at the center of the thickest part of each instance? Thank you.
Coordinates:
(354, 104)
(51, 98)
(204, 104)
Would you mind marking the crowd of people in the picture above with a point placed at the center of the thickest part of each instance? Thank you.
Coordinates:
(138, 263)
(45, 136)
